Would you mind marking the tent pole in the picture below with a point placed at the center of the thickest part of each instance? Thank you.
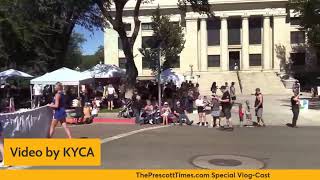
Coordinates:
(31, 96)
(78, 90)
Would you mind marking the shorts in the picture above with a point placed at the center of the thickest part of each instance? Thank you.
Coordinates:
(110, 97)
(225, 112)
(165, 114)
(215, 113)
(60, 114)
(259, 112)
(201, 109)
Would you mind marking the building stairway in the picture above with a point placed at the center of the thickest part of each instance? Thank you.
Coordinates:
(220, 78)
(268, 82)
(246, 82)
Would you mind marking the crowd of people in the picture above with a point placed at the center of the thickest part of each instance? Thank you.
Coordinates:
(177, 102)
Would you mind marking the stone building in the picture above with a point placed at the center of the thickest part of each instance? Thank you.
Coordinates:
(256, 37)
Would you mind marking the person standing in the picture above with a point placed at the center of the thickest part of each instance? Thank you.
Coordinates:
(233, 92)
(226, 106)
(137, 106)
(227, 86)
(296, 87)
(258, 105)
(215, 107)
(181, 113)
(241, 114)
(59, 115)
(111, 92)
(201, 111)
(295, 104)
(37, 91)
(214, 88)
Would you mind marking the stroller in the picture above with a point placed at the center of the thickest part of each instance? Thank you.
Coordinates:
(126, 111)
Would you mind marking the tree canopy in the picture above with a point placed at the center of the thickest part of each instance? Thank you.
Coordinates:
(309, 13)
(36, 34)
(115, 18)
(168, 37)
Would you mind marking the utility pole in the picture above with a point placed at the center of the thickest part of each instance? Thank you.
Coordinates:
(159, 79)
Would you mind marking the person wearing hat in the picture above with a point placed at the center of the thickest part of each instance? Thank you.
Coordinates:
(258, 105)
(295, 104)
(181, 113)
(165, 111)
(226, 104)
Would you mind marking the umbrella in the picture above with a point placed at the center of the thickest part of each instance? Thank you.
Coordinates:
(169, 75)
(14, 73)
(105, 71)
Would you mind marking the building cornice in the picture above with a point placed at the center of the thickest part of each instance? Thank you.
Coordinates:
(171, 4)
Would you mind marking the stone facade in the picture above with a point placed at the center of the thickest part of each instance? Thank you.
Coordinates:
(245, 35)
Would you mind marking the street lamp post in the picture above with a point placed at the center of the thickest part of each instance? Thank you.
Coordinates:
(159, 80)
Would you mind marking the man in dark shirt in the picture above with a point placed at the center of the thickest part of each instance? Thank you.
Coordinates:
(137, 106)
(226, 105)
(181, 113)
(295, 104)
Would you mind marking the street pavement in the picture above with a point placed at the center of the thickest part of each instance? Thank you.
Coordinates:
(174, 147)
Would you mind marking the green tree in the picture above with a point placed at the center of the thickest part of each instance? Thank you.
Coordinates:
(309, 12)
(100, 53)
(115, 19)
(37, 32)
(74, 54)
(168, 37)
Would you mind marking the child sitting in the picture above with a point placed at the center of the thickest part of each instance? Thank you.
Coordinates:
(95, 111)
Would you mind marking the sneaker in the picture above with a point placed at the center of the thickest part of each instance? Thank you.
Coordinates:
(203, 124)
(217, 126)
(200, 124)
(2, 165)
(150, 122)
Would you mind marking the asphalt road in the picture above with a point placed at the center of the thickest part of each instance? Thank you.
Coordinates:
(175, 147)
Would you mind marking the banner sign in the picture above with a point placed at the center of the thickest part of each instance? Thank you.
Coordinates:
(33, 123)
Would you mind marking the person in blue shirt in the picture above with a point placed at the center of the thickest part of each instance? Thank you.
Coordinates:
(58, 105)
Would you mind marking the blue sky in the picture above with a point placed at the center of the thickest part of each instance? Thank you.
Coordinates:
(94, 40)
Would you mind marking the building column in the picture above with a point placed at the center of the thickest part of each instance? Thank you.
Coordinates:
(224, 44)
(190, 52)
(281, 41)
(266, 43)
(245, 43)
(111, 49)
(204, 44)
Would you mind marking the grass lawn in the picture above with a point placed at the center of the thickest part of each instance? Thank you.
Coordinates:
(104, 110)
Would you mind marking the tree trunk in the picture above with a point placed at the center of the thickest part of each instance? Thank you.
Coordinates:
(131, 69)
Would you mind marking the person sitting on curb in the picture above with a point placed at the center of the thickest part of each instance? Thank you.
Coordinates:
(181, 113)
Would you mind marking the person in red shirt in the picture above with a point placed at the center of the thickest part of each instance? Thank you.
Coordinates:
(241, 114)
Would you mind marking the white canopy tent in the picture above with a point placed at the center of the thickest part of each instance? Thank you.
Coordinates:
(14, 73)
(169, 75)
(66, 76)
(105, 71)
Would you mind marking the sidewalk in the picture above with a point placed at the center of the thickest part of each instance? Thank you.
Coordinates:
(277, 112)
